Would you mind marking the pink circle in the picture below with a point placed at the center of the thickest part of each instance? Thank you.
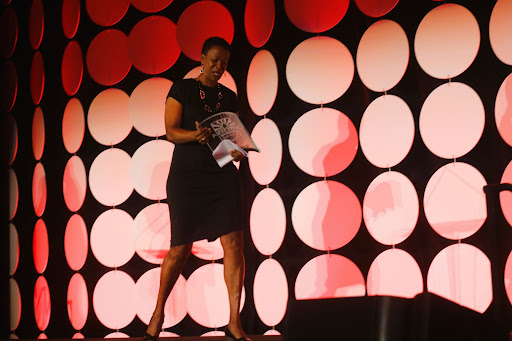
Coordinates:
(207, 296)
(259, 17)
(77, 301)
(272, 332)
(108, 118)
(42, 303)
(326, 215)
(329, 276)
(376, 8)
(270, 292)
(266, 164)
(14, 249)
(329, 71)
(146, 295)
(72, 68)
(268, 221)
(146, 106)
(315, 15)
(37, 78)
(9, 82)
(452, 120)
(107, 57)
(152, 233)
(42, 336)
(210, 251)
(226, 79)
(150, 6)
(461, 273)
(454, 201)
(39, 192)
(8, 32)
(152, 45)
(107, 13)
(447, 41)
(38, 134)
(503, 110)
(15, 304)
(323, 142)
(391, 208)
(200, 21)
(114, 300)
(76, 242)
(73, 125)
(508, 277)
(262, 82)
(117, 335)
(40, 246)
(9, 138)
(394, 273)
(112, 238)
(14, 194)
(500, 31)
(74, 184)
(70, 17)
(36, 24)
(78, 336)
(506, 196)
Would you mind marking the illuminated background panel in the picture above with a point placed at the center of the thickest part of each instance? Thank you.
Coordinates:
(106, 13)
(39, 192)
(452, 120)
(38, 134)
(74, 183)
(152, 6)
(500, 30)
(9, 138)
(210, 251)
(152, 232)
(72, 68)
(14, 249)
(8, 32)
(37, 78)
(70, 17)
(508, 277)
(447, 41)
(9, 82)
(73, 125)
(326, 215)
(78, 336)
(76, 242)
(226, 79)
(329, 276)
(117, 335)
(506, 196)
(36, 24)
(315, 16)
(320, 70)
(77, 301)
(15, 304)
(42, 303)
(461, 273)
(270, 292)
(259, 17)
(272, 332)
(454, 201)
(40, 246)
(14, 194)
(262, 82)
(503, 110)
(376, 8)
(266, 164)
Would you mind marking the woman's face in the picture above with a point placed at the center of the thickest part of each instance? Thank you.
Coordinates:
(215, 63)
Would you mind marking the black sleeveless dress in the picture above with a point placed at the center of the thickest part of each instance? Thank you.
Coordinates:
(205, 200)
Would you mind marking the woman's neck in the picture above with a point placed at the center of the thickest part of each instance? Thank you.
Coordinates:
(206, 82)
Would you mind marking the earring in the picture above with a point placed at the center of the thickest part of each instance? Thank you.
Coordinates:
(201, 69)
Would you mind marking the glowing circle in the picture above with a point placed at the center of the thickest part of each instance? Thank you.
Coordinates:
(500, 30)
(152, 45)
(108, 119)
(76, 242)
(259, 17)
(72, 68)
(107, 57)
(268, 221)
(14, 249)
(207, 296)
(391, 208)
(9, 83)
(39, 192)
(262, 81)
(452, 120)
(376, 8)
(323, 142)
(38, 134)
(9, 138)
(114, 299)
(508, 277)
(329, 276)
(454, 201)
(506, 196)
(270, 292)
(326, 215)
(272, 332)
(152, 233)
(315, 15)
(112, 238)
(73, 125)
(146, 295)
(8, 32)
(206, 250)
(40, 246)
(447, 41)
(394, 273)
(37, 78)
(42, 303)
(42, 336)
(107, 13)
(200, 21)
(503, 110)
(74, 184)
(14, 303)
(36, 24)
(461, 273)
(146, 106)
(226, 79)
(382, 55)
(117, 335)
(320, 70)
(77, 301)
(78, 336)
(266, 164)
(150, 6)
(70, 17)
(14, 194)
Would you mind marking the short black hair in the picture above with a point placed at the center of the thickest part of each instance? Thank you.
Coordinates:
(214, 41)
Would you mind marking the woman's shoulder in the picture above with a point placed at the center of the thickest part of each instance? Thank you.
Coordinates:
(227, 90)
(185, 83)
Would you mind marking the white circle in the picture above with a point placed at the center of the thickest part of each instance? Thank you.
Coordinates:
(500, 30)
(74, 183)
(270, 292)
(152, 233)
(262, 82)
(503, 110)
(265, 165)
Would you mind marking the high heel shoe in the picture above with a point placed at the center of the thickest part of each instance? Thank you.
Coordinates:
(231, 336)
(148, 337)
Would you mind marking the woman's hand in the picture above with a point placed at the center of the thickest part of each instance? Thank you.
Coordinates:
(236, 155)
(202, 134)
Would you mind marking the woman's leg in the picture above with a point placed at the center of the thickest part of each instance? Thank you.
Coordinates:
(171, 269)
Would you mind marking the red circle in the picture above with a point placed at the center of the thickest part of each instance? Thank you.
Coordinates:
(36, 24)
(8, 32)
(315, 15)
(70, 17)
(37, 78)
(9, 138)
(152, 45)
(72, 68)
(42, 303)
(107, 13)
(40, 246)
(150, 6)
(9, 85)
(200, 21)
(259, 21)
(376, 8)
(107, 57)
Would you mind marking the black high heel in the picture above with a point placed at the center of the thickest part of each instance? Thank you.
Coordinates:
(148, 337)
(231, 336)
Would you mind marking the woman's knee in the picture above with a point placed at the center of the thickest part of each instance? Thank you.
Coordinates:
(180, 253)
(233, 242)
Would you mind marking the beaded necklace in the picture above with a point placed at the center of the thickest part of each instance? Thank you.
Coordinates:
(202, 95)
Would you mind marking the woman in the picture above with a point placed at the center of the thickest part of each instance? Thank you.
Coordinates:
(204, 199)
